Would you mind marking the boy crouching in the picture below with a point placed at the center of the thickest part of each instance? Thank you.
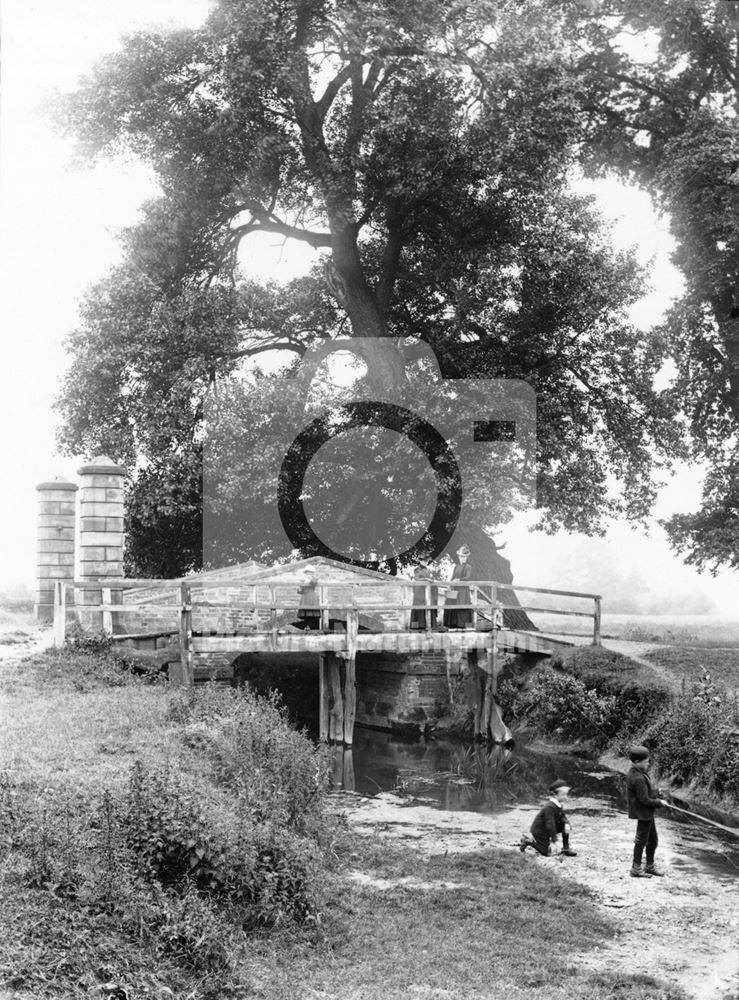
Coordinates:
(549, 823)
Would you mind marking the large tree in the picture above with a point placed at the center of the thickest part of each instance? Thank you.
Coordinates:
(424, 150)
(660, 97)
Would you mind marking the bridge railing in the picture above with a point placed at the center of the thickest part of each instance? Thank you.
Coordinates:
(484, 601)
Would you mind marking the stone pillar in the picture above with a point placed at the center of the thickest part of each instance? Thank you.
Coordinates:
(55, 552)
(101, 535)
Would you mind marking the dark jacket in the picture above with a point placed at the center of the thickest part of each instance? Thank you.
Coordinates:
(548, 823)
(453, 617)
(641, 795)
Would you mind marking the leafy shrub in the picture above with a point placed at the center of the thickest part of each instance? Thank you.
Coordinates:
(636, 701)
(80, 640)
(167, 831)
(262, 874)
(170, 861)
(697, 739)
(563, 706)
(511, 697)
(279, 776)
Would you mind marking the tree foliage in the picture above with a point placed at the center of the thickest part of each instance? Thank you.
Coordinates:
(666, 119)
(423, 150)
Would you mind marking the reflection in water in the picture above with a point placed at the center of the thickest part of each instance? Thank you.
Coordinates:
(454, 775)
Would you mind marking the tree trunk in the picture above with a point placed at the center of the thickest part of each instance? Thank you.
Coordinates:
(489, 564)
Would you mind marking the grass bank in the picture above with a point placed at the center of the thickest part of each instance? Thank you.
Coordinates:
(681, 702)
(159, 845)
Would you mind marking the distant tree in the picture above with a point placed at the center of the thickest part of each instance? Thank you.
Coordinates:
(424, 150)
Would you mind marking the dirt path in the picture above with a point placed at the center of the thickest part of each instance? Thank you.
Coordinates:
(637, 651)
(687, 923)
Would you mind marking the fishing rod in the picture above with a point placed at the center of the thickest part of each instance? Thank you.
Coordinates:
(704, 819)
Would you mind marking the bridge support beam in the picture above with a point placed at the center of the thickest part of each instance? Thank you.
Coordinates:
(337, 688)
(336, 716)
(350, 676)
(323, 699)
(473, 680)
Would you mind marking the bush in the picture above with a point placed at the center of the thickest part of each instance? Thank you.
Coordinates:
(562, 705)
(279, 776)
(260, 873)
(79, 640)
(637, 701)
(169, 861)
(697, 739)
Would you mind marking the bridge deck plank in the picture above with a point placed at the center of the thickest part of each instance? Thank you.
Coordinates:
(366, 642)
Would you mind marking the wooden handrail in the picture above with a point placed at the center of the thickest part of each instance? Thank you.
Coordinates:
(324, 605)
(127, 583)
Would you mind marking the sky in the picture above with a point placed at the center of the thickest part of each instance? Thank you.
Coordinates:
(57, 236)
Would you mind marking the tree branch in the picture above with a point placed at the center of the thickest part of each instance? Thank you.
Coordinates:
(265, 222)
(324, 103)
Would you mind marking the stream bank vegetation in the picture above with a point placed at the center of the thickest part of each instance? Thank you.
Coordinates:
(158, 843)
(682, 703)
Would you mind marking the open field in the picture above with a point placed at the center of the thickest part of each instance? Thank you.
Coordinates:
(686, 664)
(15, 621)
(705, 631)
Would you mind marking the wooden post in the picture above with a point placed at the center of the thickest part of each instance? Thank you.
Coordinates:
(473, 602)
(255, 612)
(186, 635)
(60, 614)
(473, 692)
(272, 616)
(336, 717)
(494, 657)
(350, 680)
(427, 609)
(323, 605)
(596, 622)
(107, 615)
(347, 777)
(448, 665)
(322, 697)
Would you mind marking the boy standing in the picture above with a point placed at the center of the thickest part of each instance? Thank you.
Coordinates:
(549, 822)
(642, 799)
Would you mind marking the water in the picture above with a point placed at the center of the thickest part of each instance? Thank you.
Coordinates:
(478, 778)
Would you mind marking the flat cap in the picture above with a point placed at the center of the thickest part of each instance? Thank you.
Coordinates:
(558, 784)
(638, 753)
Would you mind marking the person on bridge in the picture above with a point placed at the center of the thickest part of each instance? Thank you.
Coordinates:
(459, 617)
(309, 615)
(549, 823)
(425, 616)
(642, 799)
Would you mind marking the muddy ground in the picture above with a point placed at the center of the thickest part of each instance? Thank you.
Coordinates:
(683, 928)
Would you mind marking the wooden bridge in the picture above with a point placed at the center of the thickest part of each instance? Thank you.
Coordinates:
(198, 625)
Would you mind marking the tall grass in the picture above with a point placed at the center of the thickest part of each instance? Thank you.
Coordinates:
(178, 824)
